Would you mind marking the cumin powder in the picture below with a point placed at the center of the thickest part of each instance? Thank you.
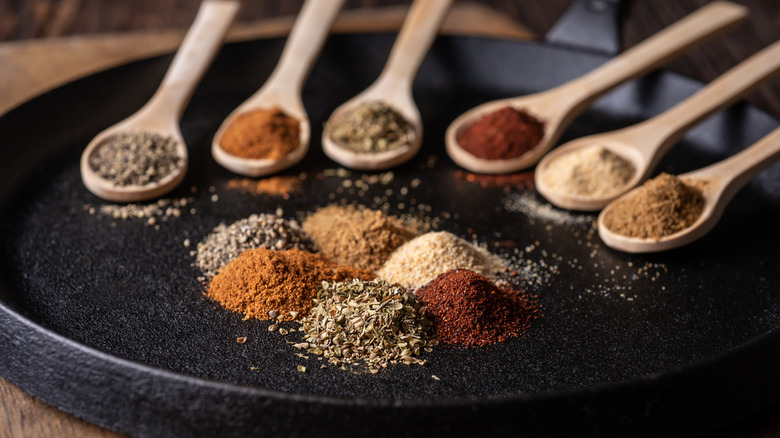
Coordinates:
(663, 206)
(262, 281)
(262, 133)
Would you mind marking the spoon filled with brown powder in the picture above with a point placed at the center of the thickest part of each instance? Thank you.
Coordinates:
(589, 172)
(668, 212)
(270, 131)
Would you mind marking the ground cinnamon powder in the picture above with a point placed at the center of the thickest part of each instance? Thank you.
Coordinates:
(262, 280)
(502, 134)
(262, 133)
(663, 206)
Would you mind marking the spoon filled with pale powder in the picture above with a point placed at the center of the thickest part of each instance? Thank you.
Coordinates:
(587, 173)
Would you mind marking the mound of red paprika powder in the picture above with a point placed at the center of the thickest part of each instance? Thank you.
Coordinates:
(500, 135)
(468, 309)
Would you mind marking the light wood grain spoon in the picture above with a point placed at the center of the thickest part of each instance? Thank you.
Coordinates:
(283, 89)
(718, 183)
(557, 107)
(162, 113)
(393, 87)
(644, 144)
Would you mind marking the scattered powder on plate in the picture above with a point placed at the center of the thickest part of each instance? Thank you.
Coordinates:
(274, 186)
(423, 258)
(226, 242)
(162, 209)
(592, 171)
(529, 204)
(357, 236)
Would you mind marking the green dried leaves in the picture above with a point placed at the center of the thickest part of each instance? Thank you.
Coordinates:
(372, 127)
(366, 321)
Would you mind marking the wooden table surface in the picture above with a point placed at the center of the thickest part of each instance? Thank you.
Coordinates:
(44, 43)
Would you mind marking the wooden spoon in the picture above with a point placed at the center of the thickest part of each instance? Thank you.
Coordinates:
(393, 87)
(558, 106)
(283, 89)
(718, 183)
(162, 113)
(644, 144)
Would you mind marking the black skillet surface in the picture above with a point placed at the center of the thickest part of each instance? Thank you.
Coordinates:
(106, 320)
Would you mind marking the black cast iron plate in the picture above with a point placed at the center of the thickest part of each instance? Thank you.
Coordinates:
(106, 319)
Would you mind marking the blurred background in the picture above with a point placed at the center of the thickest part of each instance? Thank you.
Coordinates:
(24, 20)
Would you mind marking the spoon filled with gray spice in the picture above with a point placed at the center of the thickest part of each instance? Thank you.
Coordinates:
(144, 156)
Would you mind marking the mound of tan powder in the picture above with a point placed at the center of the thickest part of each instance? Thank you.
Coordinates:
(358, 236)
(422, 259)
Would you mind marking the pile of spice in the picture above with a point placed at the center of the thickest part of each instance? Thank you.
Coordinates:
(370, 128)
(226, 242)
(423, 258)
(592, 171)
(357, 236)
(662, 206)
(500, 135)
(468, 309)
(262, 134)
(366, 321)
(273, 186)
(136, 158)
(263, 282)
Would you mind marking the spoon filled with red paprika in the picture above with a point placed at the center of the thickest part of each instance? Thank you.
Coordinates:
(511, 134)
(270, 131)
(381, 127)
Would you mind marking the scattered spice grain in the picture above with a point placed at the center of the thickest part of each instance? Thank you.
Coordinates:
(423, 258)
(662, 206)
(366, 321)
(592, 171)
(358, 236)
(370, 128)
(158, 211)
(136, 158)
(226, 242)
(263, 282)
(274, 186)
(468, 309)
(262, 134)
(503, 134)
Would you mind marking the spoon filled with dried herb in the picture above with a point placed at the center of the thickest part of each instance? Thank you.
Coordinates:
(270, 131)
(589, 172)
(145, 156)
(381, 127)
(511, 134)
(668, 212)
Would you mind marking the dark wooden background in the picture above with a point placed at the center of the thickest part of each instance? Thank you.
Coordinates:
(24, 20)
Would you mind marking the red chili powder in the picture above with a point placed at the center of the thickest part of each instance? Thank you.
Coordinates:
(502, 134)
(468, 309)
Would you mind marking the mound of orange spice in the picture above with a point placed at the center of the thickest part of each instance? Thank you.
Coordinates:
(261, 280)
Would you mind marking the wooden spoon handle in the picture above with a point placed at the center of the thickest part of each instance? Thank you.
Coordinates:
(734, 172)
(655, 136)
(415, 38)
(304, 43)
(667, 44)
(200, 46)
